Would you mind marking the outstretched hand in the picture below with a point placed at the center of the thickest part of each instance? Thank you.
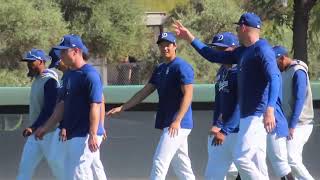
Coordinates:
(114, 111)
(182, 32)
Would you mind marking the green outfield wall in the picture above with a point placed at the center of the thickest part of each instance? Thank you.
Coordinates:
(119, 94)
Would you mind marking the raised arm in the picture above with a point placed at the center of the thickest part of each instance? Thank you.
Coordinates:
(204, 50)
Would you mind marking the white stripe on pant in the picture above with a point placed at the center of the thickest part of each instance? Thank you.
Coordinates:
(33, 152)
(295, 148)
(277, 154)
(220, 159)
(175, 150)
(250, 151)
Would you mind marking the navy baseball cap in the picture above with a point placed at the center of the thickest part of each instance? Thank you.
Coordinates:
(36, 54)
(225, 39)
(55, 57)
(72, 41)
(167, 36)
(280, 51)
(250, 19)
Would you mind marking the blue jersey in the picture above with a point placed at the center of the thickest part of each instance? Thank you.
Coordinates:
(61, 94)
(81, 88)
(168, 79)
(226, 101)
(258, 76)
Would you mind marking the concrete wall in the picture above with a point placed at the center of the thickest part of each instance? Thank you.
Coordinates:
(127, 154)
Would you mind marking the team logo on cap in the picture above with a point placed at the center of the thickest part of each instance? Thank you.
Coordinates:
(32, 55)
(220, 38)
(163, 35)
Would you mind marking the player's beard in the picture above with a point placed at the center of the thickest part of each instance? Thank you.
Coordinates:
(32, 73)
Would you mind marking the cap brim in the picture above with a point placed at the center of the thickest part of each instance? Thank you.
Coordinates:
(29, 59)
(217, 45)
(161, 40)
(220, 45)
(61, 47)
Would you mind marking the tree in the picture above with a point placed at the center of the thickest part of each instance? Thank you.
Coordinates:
(205, 18)
(77, 13)
(292, 13)
(301, 18)
(314, 43)
(163, 5)
(117, 29)
(27, 24)
(111, 29)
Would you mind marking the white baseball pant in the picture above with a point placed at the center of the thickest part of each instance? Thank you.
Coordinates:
(175, 150)
(33, 152)
(220, 159)
(79, 159)
(277, 154)
(295, 148)
(97, 166)
(250, 152)
(58, 152)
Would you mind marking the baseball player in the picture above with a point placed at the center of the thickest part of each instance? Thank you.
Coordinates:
(258, 88)
(223, 133)
(298, 108)
(43, 96)
(80, 111)
(173, 80)
(61, 133)
(97, 166)
(276, 143)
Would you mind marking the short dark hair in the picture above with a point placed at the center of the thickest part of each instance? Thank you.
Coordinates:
(85, 56)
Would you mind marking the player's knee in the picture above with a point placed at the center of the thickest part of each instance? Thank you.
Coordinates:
(293, 161)
(159, 168)
(241, 161)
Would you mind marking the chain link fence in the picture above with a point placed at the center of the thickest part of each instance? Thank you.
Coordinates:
(128, 73)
